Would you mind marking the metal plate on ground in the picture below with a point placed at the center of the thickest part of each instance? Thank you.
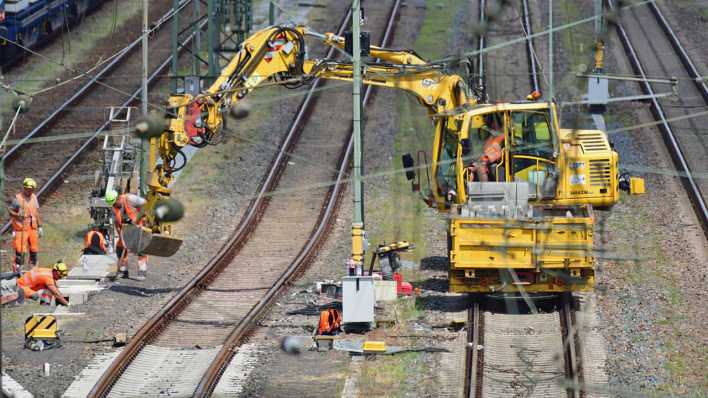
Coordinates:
(140, 241)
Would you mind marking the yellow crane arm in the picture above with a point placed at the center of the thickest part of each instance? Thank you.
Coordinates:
(271, 53)
(279, 54)
(275, 53)
(437, 90)
(434, 89)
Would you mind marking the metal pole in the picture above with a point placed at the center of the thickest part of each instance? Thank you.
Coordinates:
(213, 32)
(550, 50)
(598, 21)
(271, 13)
(197, 42)
(358, 249)
(175, 48)
(144, 143)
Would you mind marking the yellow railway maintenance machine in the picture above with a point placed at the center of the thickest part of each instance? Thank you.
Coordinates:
(528, 215)
(528, 225)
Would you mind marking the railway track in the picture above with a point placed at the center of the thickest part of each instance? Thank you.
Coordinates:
(683, 134)
(516, 351)
(503, 72)
(71, 115)
(513, 352)
(184, 349)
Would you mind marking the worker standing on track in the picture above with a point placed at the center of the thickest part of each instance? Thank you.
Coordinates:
(125, 211)
(26, 225)
(38, 279)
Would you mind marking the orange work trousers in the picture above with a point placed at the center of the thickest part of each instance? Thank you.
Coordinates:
(26, 240)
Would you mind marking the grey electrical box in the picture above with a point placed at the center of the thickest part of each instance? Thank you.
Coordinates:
(358, 299)
(598, 92)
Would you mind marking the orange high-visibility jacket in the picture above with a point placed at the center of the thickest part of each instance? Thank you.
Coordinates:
(493, 148)
(89, 238)
(29, 213)
(37, 279)
(124, 211)
(330, 321)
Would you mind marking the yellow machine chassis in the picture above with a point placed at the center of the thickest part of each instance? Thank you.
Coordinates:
(538, 255)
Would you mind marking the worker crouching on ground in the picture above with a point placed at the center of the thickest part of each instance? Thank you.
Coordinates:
(126, 209)
(26, 226)
(38, 279)
(94, 242)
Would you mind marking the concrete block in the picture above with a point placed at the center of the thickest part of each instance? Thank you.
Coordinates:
(80, 289)
(76, 282)
(76, 299)
(96, 267)
(385, 290)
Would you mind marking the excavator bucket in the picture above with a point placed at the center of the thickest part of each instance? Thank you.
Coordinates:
(142, 241)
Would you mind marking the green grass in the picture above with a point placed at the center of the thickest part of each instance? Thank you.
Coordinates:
(387, 376)
(437, 28)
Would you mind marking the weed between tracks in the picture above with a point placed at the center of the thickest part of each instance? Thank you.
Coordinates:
(400, 214)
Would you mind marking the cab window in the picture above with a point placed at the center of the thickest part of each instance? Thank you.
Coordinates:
(446, 176)
(531, 134)
(532, 151)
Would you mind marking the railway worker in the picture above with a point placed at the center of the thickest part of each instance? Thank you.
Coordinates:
(126, 209)
(94, 242)
(481, 170)
(26, 225)
(38, 279)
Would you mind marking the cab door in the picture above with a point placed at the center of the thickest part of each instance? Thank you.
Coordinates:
(532, 151)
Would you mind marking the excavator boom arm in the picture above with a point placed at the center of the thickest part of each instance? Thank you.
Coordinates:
(278, 54)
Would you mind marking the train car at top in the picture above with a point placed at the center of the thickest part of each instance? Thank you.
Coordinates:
(32, 23)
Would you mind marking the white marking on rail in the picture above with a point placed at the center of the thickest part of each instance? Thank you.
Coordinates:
(164, 372)
(13, 389)
(593, 349)
(236, 374)
(84, 382)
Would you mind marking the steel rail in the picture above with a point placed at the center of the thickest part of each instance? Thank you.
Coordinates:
(473, 359)
(570, 341)
(683, 55)
(670, 139)
(49, 185)
(530, 53)
(221, 259)
(307, 253)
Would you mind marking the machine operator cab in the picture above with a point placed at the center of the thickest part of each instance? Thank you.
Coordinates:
(522, 142)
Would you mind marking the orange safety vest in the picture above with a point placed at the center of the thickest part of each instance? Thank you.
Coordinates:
(88, 239)
(493, 148)
(29, 213)
(124, 211)
(330, 321)
(37, 279)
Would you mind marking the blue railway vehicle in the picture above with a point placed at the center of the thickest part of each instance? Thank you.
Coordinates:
(32, 23)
